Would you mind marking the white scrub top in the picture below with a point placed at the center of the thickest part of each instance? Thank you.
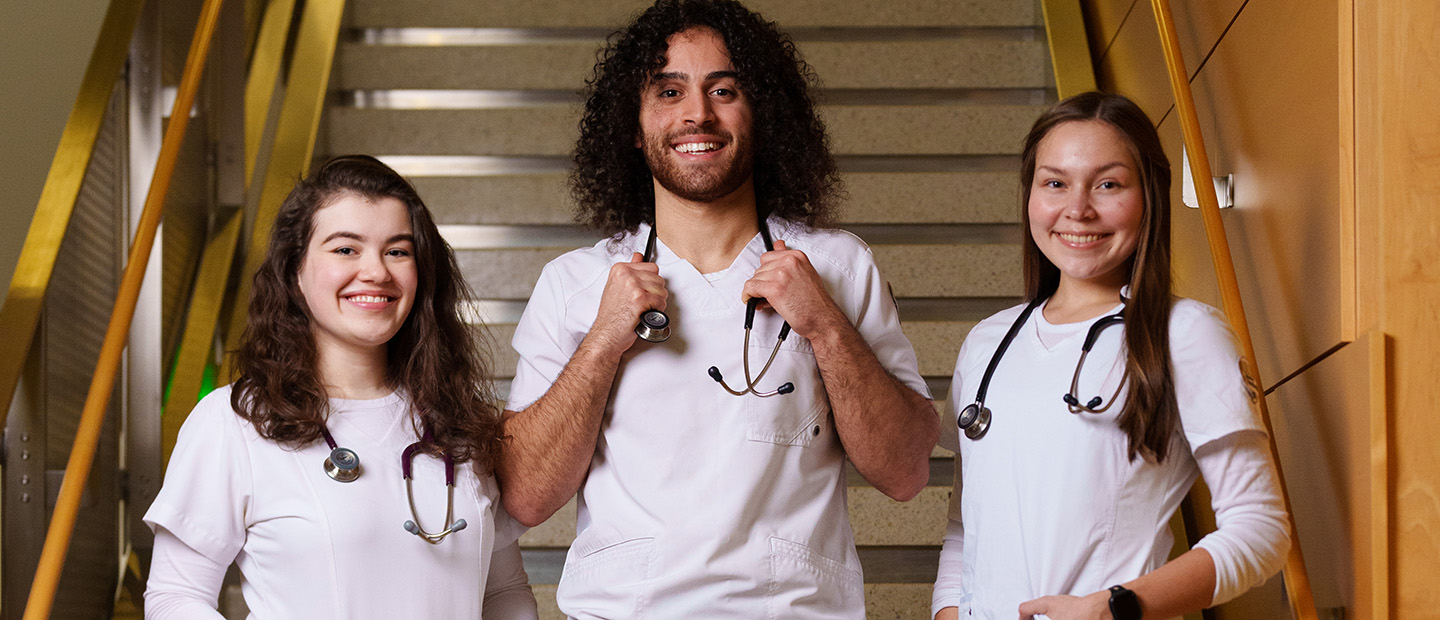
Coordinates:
(699, 503)
(1050, 501)
(311, 547)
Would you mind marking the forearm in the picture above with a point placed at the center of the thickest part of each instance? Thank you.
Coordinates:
(550, 443)
(1183, 585)
(887, 428)
(183, 583)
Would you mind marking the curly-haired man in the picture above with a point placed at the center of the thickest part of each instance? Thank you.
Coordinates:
(697, 497)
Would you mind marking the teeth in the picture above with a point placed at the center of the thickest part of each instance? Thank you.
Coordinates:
(369, 299)
(1079, 238)
(697, 147)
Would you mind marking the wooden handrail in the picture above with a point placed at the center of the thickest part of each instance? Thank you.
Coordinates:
(87, 435)
(1297, 580)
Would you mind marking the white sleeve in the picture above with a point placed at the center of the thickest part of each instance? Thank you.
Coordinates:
(184, 584)
(877, 318)
(208, 484)
(507, 587)
(949, 590)
(540, 341)
(1252, 536)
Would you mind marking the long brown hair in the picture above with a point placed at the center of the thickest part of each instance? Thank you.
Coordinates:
(1150, 415)
(435, 358)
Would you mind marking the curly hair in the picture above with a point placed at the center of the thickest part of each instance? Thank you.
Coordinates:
(1151, 414)
(435, 358)
(794, 175)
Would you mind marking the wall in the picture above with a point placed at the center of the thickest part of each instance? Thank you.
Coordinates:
(1273, 90)
(46, 47)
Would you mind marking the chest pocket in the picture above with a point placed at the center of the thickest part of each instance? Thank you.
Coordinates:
(794, 419)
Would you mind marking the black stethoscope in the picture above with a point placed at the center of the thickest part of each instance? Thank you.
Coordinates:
(655, 327)
(343, 465)
(974, 419)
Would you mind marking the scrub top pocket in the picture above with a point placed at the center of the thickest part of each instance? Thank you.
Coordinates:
(803, 582)
(610, 581)
(794, 419)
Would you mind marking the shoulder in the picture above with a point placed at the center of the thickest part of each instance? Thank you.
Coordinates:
(1195, 325)
(986, 334)
(214, 410)
(577, 269)
(840, 250)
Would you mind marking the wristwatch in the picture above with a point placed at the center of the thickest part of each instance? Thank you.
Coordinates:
(1123, 604)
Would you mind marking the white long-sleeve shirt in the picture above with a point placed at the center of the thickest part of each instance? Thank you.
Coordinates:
(1048, 502)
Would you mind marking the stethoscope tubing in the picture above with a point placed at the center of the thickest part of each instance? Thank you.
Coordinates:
(343, 465)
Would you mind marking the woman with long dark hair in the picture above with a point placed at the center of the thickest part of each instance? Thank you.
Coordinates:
(363, 409)
(1082, 417)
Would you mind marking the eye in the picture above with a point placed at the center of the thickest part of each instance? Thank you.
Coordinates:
(1053, 184)
(669, 93)
(397, 252)
(725, 92)
(1109, 185)
(344, 250)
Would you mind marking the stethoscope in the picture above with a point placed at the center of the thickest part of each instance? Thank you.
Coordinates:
(975, 418)
(343, 465)
(655, 327)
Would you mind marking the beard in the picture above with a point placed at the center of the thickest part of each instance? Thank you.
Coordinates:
(699, 182)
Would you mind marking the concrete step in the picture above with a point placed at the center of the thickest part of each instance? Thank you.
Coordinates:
(979, 270)
(613, 13)
(858, 130)
(873, 198)
(1008, 60)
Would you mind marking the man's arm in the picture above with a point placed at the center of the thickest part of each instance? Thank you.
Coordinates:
(887, 428)
(549, 444)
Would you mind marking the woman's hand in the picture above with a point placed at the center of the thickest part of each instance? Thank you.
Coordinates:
(1062, 607)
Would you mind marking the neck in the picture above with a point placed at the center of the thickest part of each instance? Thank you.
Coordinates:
(1080, 300)
(353, 374)
(707, 234)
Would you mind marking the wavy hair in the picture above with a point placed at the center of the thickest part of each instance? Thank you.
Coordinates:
(795, 176)
(435, 358)
(1151, 414)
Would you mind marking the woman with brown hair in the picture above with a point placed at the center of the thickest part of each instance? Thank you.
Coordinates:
(1083, 417)
(363, 406)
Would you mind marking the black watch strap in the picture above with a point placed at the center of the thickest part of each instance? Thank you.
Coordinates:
(1124, 605)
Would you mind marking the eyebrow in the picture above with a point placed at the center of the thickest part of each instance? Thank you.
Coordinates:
(679, 76)
(359, 237)
(1113, 164)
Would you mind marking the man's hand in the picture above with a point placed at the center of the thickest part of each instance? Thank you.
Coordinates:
(1060, 607)
(790, 285)
(631, 289)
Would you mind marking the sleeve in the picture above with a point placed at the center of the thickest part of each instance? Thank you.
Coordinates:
(208, 487)
(877, 318)
(949, 589)
(1212, 388)
(507, 587)
(184, 584)
(540, 341)
(1252, 536)
(949, 427)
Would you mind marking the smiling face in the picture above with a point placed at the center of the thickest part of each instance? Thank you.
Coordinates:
(358, 277)
(695, 123)
(1086, 203)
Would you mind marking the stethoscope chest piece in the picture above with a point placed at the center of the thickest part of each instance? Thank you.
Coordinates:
(974, 420)
(343, 465)
(654, 326)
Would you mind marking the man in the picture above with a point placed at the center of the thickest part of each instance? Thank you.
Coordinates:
(694, 501)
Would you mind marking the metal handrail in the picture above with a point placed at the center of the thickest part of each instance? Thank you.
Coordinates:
(1297, 580)
(87, 436)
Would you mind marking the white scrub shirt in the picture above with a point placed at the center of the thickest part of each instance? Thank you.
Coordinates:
(699, 503)
(311, 547)
(1049, 502)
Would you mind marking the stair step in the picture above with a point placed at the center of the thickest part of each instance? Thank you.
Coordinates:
(979, 270)
(1016, 60)
(613, 13)
(873, 197)
(868, 130)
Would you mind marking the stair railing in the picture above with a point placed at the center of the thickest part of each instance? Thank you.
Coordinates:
(1297, 580)
(92, 417)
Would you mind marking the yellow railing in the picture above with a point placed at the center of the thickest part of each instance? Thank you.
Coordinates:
(1297, 580)
(87, 434)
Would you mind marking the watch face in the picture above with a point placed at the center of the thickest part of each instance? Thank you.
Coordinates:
(1124, 605)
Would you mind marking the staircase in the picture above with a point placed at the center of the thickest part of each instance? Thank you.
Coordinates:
(926, 102)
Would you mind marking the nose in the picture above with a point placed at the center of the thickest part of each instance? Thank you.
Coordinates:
(373, 268)
(698, 109)
(1079, 205)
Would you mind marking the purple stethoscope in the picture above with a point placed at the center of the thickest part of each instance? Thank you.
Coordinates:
(343, 465)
